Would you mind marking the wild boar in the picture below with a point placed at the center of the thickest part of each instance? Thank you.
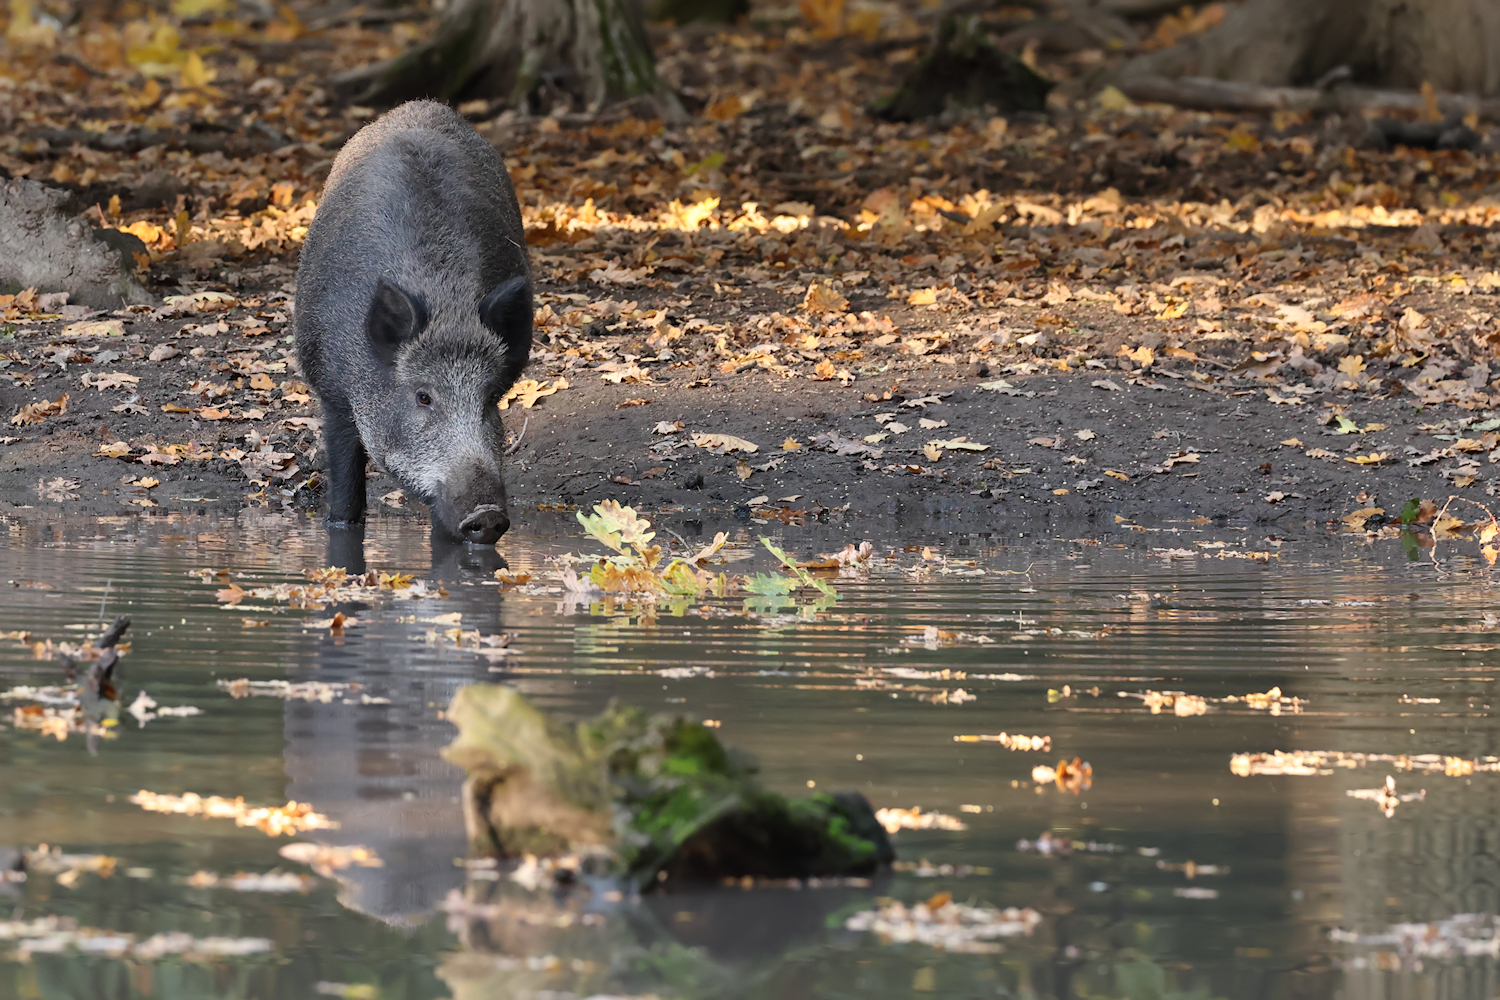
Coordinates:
(413, 317)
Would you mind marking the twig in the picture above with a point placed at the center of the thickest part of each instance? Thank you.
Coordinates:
(1440, 514)
(67, 59)
(519, 438)
(138, 139)
(113, 634)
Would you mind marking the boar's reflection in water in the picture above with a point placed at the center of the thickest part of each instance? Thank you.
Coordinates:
(413, 317)
(376, 769)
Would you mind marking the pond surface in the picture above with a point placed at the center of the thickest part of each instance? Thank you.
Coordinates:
(1175, 857)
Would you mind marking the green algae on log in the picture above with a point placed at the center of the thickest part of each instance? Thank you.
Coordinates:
(657, 794)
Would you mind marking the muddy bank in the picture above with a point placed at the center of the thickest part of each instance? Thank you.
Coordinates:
(207, 403)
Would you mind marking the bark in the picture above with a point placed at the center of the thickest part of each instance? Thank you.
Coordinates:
(1452, 44)
(41, 247)
(587, 52)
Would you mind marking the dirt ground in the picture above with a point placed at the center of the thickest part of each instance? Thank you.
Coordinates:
(1108, 442)
(1105, 311)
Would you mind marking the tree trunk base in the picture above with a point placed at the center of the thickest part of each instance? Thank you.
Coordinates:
(583, 53)
(1452, 44)
(963, 68)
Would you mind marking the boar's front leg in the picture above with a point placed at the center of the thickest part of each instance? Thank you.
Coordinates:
(346, 468)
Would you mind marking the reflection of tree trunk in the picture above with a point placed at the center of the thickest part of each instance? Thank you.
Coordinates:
(593, 51)
(1453, 44)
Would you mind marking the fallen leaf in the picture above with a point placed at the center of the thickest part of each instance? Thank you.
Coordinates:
(35, 413)
(959, 444)
(1275, 497)
(1292, 443)
(791, 444)
(721, 444)
(111, 380)
(840, 445)
(158, 458)
(667, 427)
(626, 373)
(742, 469)
(1356, 520)
(1085, 435)
(823, 298)
(529, 390)
(1373, 458)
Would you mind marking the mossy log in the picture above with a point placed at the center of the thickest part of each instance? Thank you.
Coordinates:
(592, 52)
(964, 68)
(659, 796)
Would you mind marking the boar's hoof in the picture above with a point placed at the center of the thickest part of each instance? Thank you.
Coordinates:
(484, 525)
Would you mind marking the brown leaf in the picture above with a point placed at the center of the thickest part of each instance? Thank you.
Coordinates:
(35, 413)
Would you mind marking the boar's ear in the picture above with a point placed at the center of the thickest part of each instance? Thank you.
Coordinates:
(394, 318)
(507, 311)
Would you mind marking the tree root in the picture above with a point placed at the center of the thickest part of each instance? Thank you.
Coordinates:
(963, 67)
(1207, 94)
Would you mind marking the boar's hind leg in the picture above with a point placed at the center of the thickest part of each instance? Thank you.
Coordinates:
(346, 468)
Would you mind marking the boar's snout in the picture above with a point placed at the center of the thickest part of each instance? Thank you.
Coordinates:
(484, 525)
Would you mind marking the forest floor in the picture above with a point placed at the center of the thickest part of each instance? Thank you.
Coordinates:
(1110, 311)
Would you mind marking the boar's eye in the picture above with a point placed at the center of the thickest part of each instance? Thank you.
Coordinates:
(424, 399)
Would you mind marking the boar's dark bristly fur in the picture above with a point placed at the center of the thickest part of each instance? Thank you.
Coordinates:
(413, 316)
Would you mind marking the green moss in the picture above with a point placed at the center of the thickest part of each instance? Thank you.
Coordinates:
(679, 804)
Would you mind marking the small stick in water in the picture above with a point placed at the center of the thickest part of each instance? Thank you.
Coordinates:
(114, 633)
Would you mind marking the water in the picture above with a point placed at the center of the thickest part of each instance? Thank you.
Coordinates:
(1167, 874)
